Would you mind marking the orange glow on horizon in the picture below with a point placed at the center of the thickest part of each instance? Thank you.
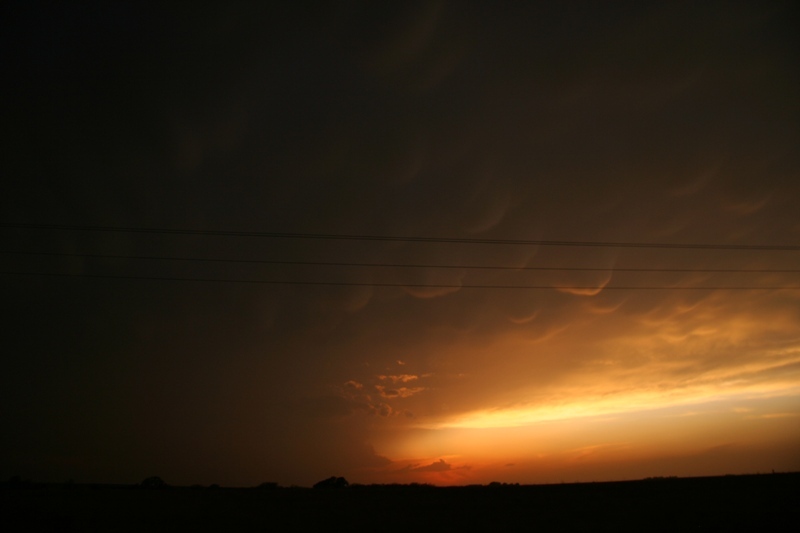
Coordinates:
(578, 443)
(605, 416)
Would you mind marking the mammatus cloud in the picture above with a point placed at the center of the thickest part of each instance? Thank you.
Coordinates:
(357, 299)
(426, 293)
(749, 207)
(523, 319)
(591, 291)
(458, 137)
(688, 348)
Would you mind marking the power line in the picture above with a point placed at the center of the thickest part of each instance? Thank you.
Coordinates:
(401, 265)
(356, 237)
(398, 285)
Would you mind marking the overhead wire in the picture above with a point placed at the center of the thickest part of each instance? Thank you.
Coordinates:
(367, 237)
(399, 265)
(401, 285)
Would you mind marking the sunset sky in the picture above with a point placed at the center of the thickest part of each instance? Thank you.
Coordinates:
(247, 243)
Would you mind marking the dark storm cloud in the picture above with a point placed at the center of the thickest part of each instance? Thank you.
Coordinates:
(632, 122)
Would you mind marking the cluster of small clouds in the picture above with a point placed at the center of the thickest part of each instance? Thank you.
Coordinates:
(372, 398)
(394, 391)
(398, 392)
(353, 384)
(398, 378)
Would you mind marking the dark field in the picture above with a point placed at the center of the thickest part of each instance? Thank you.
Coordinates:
(768, 502)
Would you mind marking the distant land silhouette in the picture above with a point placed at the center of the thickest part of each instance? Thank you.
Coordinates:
(332, 483)
(762, 502)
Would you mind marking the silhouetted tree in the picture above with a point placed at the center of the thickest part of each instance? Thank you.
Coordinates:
(153, 482)
(16, 482)
(332, 483)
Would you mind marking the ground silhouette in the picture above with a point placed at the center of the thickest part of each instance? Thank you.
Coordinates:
(153, 482)
(766, 502)
(332, 482)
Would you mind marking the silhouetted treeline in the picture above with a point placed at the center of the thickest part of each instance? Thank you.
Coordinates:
(335, 482)
(153, 482)
(332, 482)
(728, 503)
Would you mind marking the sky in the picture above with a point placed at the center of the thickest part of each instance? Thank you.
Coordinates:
(245, 243)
